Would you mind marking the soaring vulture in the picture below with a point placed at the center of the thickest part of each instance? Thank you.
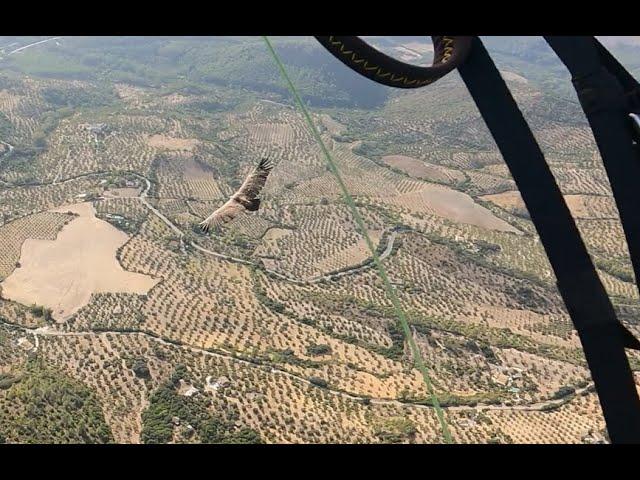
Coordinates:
(245, 199)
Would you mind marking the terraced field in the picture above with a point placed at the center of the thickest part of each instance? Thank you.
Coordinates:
(278, 327)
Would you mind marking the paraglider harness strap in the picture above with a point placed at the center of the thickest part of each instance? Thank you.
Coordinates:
(603, 337)
(596, 94)
(610, 99)
(358, 55)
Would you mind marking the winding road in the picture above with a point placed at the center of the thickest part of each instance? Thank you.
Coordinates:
(47, 331)
(32, 45)
(368, 263)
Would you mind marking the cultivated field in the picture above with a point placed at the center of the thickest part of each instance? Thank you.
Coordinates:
(277, 327)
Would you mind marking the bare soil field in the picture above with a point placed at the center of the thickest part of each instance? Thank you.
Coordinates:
(423, 170)
(63, 273)
(169, 143)
(507, 200)
(450, 204)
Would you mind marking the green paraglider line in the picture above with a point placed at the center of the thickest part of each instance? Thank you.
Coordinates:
(391, 293)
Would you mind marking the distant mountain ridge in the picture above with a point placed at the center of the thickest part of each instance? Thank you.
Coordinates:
(243, 63)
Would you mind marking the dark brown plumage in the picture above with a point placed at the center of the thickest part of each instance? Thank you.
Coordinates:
(245, 199)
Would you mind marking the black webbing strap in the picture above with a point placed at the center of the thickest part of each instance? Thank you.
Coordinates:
(603, 337)
(629, 84)
(607, 93)
(449, 52)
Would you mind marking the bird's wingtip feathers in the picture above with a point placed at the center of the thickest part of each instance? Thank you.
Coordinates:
(266, 163)
(204, 226)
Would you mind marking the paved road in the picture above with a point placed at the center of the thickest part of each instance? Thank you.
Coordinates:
(143, 198)
(367, 264)
(49, 331)
(32, 45)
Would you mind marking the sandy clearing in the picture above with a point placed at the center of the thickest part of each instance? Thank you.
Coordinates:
(510, 201)
(451, 204)
(62, 274)
(578, 204)
(418, 169)
(171, 143)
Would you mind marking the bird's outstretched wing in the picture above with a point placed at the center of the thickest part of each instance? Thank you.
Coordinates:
(254, 182)
(243, 199)
(227, 212)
